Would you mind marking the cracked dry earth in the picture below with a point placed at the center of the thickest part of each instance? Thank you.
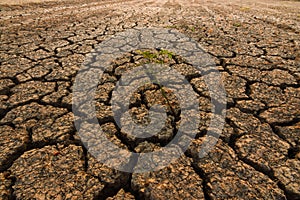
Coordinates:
(255, 45)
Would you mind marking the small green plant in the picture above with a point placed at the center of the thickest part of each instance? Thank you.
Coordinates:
(149, 55)
(166, 52)
(192, 28)
(158, 57)
(237, 24)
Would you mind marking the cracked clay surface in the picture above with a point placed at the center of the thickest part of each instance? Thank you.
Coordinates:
(255, 46)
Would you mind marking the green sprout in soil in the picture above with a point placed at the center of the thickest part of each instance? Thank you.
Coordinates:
(158, 57)
(166, 52)
(237, 24)
(149, 55)
(192, 28)
(162, 56)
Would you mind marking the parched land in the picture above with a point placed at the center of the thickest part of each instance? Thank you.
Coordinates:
(255, 46)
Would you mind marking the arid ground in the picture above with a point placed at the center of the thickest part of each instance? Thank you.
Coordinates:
(255, 46)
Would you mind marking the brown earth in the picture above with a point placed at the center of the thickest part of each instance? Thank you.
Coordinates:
(255, 45)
